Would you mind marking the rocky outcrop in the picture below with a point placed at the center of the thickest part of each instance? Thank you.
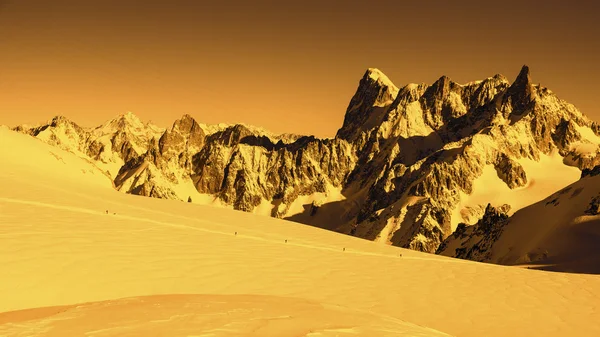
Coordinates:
(594, 206)
(60, 132)
(475, 242)
(511, 172)
(186, 135)
(590, 172)
(520, 96)
(565, 134)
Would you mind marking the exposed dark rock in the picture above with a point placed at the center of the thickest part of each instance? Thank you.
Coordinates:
(477, 240)
(590, 172)
(511, 172)
(566, 133)
(520, 95)
(594, 206)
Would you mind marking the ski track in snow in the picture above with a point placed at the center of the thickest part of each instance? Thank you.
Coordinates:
(229, 233)
(144, 209)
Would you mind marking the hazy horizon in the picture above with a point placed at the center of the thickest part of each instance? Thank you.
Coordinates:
(269, 63)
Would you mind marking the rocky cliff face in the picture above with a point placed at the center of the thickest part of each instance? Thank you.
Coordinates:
(435, 141)
(397, 171)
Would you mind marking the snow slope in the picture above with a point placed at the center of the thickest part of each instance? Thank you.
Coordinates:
(156, 267)
(560, 233)
(545, 176)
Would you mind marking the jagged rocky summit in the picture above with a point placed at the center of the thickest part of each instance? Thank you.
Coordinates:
(402, 169)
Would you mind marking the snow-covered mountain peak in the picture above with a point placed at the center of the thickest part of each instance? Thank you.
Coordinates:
(441, 88)
(126, 120)
(128, 115)
(130, 124)
(185, 123)
(366, 110)
(377, 75)
(499, 77)
(443, 79)
(374, 76)
(62, 121)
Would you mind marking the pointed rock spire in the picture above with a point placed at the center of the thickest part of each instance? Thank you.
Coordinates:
(523, 80)
(125, 121)
(374, 90)
(521, 92)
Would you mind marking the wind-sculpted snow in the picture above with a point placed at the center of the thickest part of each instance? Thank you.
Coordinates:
(431, 142)
(205, 315)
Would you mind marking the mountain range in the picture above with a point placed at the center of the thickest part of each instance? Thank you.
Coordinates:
(448, 168)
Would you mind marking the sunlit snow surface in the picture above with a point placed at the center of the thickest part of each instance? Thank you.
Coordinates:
(155, 267)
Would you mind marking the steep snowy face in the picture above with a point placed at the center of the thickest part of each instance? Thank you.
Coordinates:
(60, 132)
(127, 135)
(125, 122)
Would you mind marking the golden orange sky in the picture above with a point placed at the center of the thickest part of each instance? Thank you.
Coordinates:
(288, 66)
